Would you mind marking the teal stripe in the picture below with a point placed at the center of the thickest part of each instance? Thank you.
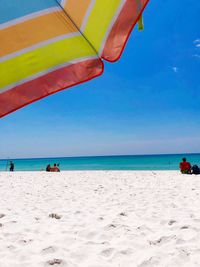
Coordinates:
(13, 9)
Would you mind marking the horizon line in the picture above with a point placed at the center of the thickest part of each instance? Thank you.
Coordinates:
(99, 156)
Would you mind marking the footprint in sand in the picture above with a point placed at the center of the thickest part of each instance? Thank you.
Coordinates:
(185, 227)
(77, 212)
(24, 242)
(153, 262)
(54, 215)
(110, 226)
(49, 250)
(107, 252)
(163, 240)
(126, 252)
(55, 262)
(171, 222)
(122, 214)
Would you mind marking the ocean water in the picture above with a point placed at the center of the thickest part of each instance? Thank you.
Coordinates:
(142, 162)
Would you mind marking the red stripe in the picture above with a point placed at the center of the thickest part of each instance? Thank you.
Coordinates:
(48, 84)
(122, 29)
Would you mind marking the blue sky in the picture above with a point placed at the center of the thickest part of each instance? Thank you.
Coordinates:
(148, 102)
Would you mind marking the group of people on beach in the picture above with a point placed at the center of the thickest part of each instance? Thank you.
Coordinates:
(55, 168)
(187, 168)
(49, 168)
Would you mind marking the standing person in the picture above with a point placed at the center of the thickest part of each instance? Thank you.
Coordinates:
(12, 166)
(185, 167)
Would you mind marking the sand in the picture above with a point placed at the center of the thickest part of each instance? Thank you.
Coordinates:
(99, 219)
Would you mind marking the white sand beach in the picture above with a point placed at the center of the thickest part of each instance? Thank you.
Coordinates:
(99, 219)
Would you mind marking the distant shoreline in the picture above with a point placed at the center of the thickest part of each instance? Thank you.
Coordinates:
(100, 156)
(107, 163)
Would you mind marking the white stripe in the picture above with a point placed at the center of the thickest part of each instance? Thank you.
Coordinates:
(92, 3)
(63, 3)
(28, 17)
(38, 45)
(42, 73)
(111, 26)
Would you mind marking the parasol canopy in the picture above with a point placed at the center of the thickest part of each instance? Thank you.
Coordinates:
(50, 45)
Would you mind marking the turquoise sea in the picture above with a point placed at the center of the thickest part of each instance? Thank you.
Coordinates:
(141, 162)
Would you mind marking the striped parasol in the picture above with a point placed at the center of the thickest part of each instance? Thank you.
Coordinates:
(50, 45)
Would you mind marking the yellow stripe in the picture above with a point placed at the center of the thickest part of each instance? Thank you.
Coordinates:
(41, 59)
(100, 20)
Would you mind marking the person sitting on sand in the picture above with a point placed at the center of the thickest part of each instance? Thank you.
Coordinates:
(48, 168)
(54, 168)
(185, 167)
(195, 169)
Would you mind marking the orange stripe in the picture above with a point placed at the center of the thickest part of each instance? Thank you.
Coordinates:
(77, 10)
(33, 31)
(42, 28)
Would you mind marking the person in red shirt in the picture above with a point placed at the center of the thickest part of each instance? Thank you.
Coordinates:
(185, 166)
